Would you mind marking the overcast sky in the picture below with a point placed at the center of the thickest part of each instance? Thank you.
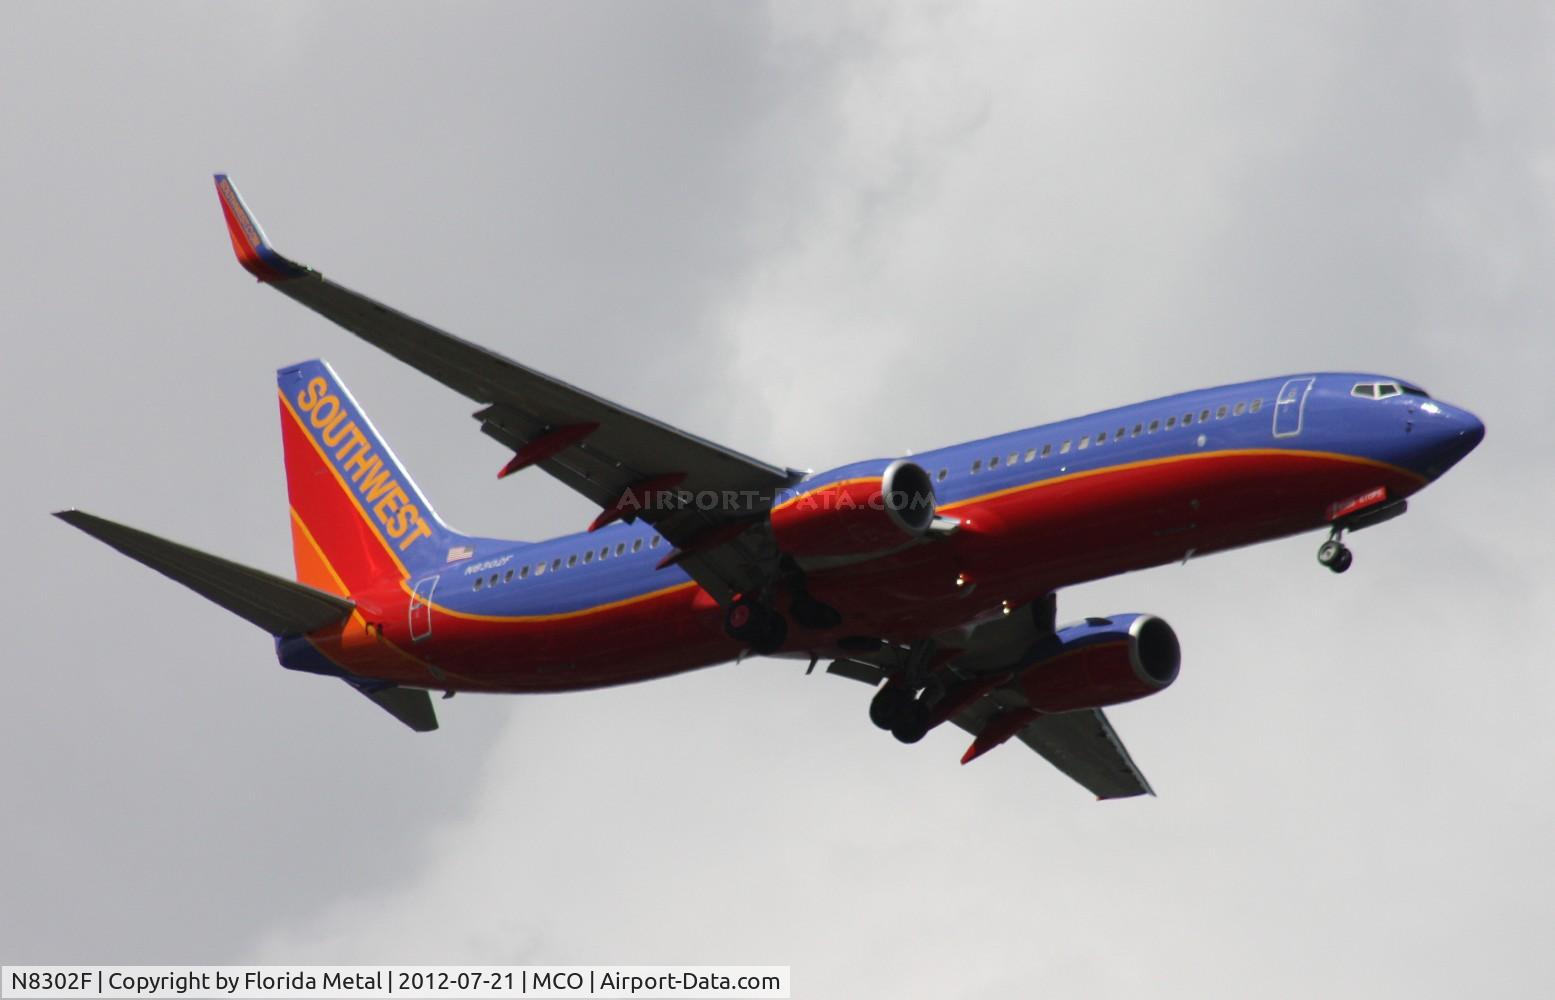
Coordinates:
(814, 233)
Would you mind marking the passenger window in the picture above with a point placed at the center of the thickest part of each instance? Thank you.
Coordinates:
(1220, 414)
(1064, 448)
(1120, 435)
(1047, 450)
(1085, 443)
(604, 552)
(1101, 439)
(556, 564)
(507, 577)
(653, 542)
(942, 474)
(1187, 418)
(620, 550)
(977, 465)
(1155, 425)
(523, 572)
(572, 561)
(1031, 453)
(1257, 405)
(1138, 428)
(637, 545)
(1013, 459)
(588, 557)
(1171, 422)
(1241, 408)
(493, 581)
(1203, 417)
(480, 582)
(539, 569)
(993, 463)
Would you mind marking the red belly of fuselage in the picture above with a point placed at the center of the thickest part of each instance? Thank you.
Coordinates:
(1012, 547)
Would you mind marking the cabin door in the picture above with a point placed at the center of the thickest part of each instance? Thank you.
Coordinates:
(421, 608)
(1289, 406)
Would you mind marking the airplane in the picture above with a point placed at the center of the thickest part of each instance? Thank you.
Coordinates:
(931, 577)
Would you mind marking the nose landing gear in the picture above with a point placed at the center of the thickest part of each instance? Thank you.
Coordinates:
(1334, 553)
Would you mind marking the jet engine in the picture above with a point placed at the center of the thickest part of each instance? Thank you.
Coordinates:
(860, 509)
(1099, 662)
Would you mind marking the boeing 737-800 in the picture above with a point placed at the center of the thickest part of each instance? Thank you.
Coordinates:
(930, 577)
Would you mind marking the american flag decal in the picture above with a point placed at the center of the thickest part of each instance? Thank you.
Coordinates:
(460, 552)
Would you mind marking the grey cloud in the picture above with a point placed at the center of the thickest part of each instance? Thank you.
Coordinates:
(814, 232)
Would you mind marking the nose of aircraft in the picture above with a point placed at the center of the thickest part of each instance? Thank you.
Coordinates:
(1447, 434)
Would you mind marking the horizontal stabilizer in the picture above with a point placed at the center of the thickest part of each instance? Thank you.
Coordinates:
(411, 706)
(279, 606)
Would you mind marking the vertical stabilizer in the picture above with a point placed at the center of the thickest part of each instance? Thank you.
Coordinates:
(357, 517)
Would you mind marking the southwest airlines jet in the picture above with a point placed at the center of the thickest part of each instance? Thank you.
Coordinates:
(931, 578)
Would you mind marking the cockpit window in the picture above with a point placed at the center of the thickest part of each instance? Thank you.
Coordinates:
(1386, 390)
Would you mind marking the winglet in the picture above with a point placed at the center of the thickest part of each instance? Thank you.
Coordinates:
(254, 251)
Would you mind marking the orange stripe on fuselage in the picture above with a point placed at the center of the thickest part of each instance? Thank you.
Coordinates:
(1032, 484)
(1191, 457)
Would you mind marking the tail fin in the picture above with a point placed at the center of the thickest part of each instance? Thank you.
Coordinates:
(357, 518)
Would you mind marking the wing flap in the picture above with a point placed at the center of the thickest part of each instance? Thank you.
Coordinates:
(277, 605)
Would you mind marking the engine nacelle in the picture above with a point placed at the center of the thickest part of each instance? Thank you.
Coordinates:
(869, 507)
(1101, 661)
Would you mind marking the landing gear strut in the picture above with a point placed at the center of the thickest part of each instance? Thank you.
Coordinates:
(1334, 553)
(755, 624)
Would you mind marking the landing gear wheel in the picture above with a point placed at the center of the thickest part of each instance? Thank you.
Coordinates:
(890, 706)
(914, 725)
(756, 625)
(1335, 555)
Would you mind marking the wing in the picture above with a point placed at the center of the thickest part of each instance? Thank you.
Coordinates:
(1082, 744)
(629, 464)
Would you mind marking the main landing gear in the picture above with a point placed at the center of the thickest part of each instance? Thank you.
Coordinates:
(900, 710)
(1334, 553)
(756, 624)
(905, 705)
